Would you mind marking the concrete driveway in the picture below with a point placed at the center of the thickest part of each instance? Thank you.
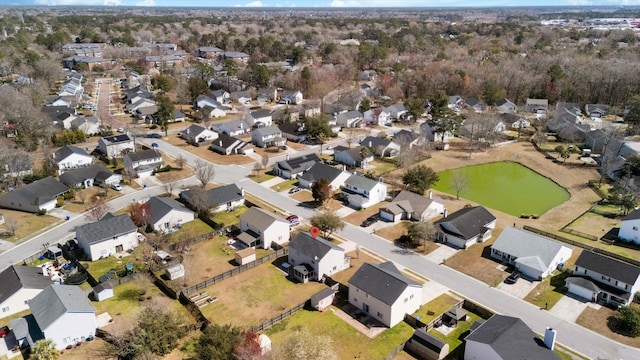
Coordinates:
(521, 288)
(442, 253)
(569, 307)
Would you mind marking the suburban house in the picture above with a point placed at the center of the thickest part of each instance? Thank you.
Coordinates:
(222, 198)
(144, 162)
(60, 313)
(629, 227)
(314, 259)
(236, 56)
(203, 101)
(294, 97)
(196, 134)
(377, 116)
(600, 142)
(349, 119)
(229, 145)
(537, 106)
(241, 97)
(535, 256)
(603, 279)
(335, 177)
(267, 95)
(259, 118)
(40, 194)
(383, 293)
(506, 338)
(514, 121)
(596, 111)
(480, 127)
(232, 128)
(178, 116)
(110, 235)
(88, 176)
(210, 52)
(71, 157)
(19, 285)
(359, 156)
(267, 136)
(504, 106)
(430, 134)
(167, 214)
(408, 139)
(261, 228)
(294, 131)
(396, 111)
(466, 227)
(115, 145)
(408, 205)
(90, 125)
(475, 104)
(289, 114)
(294, 167)
(381, 147)
(361, 192)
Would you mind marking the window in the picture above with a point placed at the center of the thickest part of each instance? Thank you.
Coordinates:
(635, 228)
(379, 314)
(5, 309)
(406, 299)
(411, 296)
(355, 300)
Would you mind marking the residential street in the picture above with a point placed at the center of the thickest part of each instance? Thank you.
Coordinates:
(571, 335)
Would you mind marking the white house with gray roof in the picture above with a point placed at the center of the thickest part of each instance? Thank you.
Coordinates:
(313, 259)
(535, 256)
(232, 128)
(19, 285)
(261, 228)
(408, 205)
(60, 313)
(110, 235)
(196, 134)
(267, 136)
(349, 119)
(222, 198)
(362, 192)
(144, 162)
(294, 167)
(259, 118)
(168, 214)
(383, 293)
(335, 177)
(71, 157)
(116, 145)
(87, 176)
(41, 194)
(465, 227)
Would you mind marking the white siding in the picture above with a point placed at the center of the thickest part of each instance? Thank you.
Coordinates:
(108, 247)
(581, 292)
(17, 302)
(278, 233)
(73, 161)
(71, 328)
(173, 218)
(630, 231)
(388, 315)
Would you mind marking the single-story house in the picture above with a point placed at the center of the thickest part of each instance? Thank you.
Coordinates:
(466, 227)
(504, 106)
(335, 177)
(359, 156)
(110, 235)
(408, 139)
(87, 176)
(232, 128)
(535, 256)
(261, 228)
(312, 259)
(596, 111)
(229, 145)
(196, 134)
(115, 145)
(381, 147)
(294, 167)
(40, 194)
(514, 121)
(168, 214)
(362, 192)
(19, 285)
(222, 198)
(71, 157)
(408, 205)
(475, 104)
(143, 163)
(382, 292)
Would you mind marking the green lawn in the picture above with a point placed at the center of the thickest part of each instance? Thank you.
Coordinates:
(382, 167)
(435, 308)
(192, 228)
(549, 291)
(348, 343)
(506, 186)
(285, 185)
(453, 339)
(229, 217)
(262, 177)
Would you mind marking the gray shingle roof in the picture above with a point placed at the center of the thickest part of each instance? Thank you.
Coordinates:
(466, 223)
(361, 182)
(609, 267)
(67, 150)
(16, 277)
(268, 131)
(305, 244)
(57, 300)
(321, 171)
(300, 163)
(76, 176)
(417, 203)
(106, 228)
(216, 196)
(161, 206)
(38, 192)
(523, 244)
(384, 282)
(260, 218)
(511, 338)
(375, 142)
(144, 155)
(260, 114)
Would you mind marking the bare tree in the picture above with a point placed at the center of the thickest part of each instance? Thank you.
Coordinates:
(180, 161)
(257, 167)
(264, 161)
(11, 224)
(82, 196)
(205, 172)
(99, 208)
(460, 183)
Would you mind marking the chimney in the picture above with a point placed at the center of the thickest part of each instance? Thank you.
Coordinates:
(430, 194)
(242, 191)
(220, 143)
(444, 213)
(550, 338)
(287, 156)
(370, 143)
(241, 125)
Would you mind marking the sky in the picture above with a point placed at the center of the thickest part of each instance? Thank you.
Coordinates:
(324, 3)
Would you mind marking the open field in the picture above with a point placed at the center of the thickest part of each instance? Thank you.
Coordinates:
(27, 224)
(357, 217)
(505, 186)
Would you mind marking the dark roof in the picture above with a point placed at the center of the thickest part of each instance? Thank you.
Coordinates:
(192, 131)
(76, 176)
(106, 228)
(322, 294)
(144, 155)
(300, 163)
(609, 267)
(312, 248)
(161, 206)
(634, 215)
(466, 223)
(405, 136)
(224, 141)
(216, 196)
(66, 151)
(422, 337)
(260, 114)
(510, 118)
(57, 300)
(416, 202)
(384, 282)
(260, 218)
(16, 277)
(38, 192)
(114, 139)
(321, 171)
(511, 338)
(354, 153)
(375, 142)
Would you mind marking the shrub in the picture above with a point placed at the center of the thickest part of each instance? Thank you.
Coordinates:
(71, 194)
(59, 201)
(524, 216)
(42, 212)
(164, 169)
(153, 127)
(535, 216)
(628, 320)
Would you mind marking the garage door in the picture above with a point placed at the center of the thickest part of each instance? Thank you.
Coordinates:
(580, 291)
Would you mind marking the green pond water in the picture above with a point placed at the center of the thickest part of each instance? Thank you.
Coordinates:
(506, 186)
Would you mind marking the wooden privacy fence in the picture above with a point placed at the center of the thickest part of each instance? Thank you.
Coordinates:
(276, 319)
(233, 272)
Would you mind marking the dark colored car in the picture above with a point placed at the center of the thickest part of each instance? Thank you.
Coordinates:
(370, 220)
(512, 278)
(154, 136)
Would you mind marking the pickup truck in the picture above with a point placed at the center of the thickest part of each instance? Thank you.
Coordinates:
(4, 331)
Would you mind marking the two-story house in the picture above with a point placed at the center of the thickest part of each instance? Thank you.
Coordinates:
(465, 227)
(110, 235)
(630, 227)
(359, 156)
(40, 194)
(349, 119)
(115, 145)
(70, 157)
(261, 228)
(259, 118)
(267, 136)
(19, 285)
(313, 259)
(167, 214)
(143, 163)
(377, 116)
(362, 192)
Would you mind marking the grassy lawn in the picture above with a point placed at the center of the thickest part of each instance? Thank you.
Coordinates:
(229, 217)
(599, 321)
(594, 224)
(348, 343)
(191, 229)
(27, 224)
(262, 177)
(241, 299)
(103, 266)
(358, 217)
(475, 262)
(6, 320)
(453, 339)
(285, 185)
(551, 289)
(382, 167)
(617, 248)
(500, 185)
(435, 308)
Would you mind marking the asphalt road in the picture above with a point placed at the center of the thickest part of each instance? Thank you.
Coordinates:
(571, 335)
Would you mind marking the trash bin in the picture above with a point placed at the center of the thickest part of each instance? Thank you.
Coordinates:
(144, 186)
(67, 217)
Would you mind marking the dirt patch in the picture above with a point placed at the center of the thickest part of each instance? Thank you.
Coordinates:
(598, 321)
(357, 217)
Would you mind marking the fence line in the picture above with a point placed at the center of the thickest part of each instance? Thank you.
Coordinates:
(235, 271)
(276, 319)
(395, 351)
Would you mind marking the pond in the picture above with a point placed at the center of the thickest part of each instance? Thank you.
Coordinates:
(506, 186)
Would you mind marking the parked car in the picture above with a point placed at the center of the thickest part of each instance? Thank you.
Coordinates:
(155, 145)
(120, 130)
(294, 190)
(154, 136)
(293, 220)
(116, 187)
(370, 220)
(283, 147)
(512, 278)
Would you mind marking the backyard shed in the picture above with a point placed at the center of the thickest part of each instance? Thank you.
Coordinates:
(103, 291)
(245, 256)
(453, 315)
(175, 271)
(424, 346)
(323, 299)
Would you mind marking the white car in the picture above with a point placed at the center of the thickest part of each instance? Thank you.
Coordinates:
(116, 187)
